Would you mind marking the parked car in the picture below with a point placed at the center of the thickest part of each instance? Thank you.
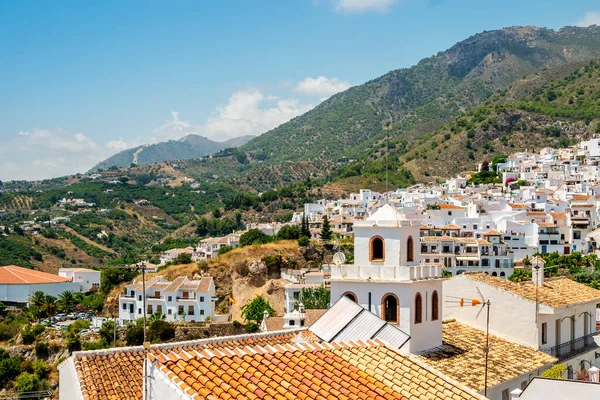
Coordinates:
(61, 317)
(85, 332)
(71, 316)
(81, 316)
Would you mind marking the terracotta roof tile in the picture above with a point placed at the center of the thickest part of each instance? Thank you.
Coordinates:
(556, 292)
(461, 357)
(13, 275)
(346, 370)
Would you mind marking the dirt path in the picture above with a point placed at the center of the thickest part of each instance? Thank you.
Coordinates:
(88, 241)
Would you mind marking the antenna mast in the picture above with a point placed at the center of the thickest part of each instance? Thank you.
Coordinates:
(388, 126)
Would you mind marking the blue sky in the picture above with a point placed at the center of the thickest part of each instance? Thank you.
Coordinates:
(82, 80)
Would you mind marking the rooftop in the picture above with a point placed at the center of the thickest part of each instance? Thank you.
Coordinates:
(461, 357)
(556, 292)
(117, 373)
(347, 370)
(13, 275)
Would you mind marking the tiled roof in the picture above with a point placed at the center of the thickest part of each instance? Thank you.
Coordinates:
(204, 285)
(556, 292)
(363, 370)
(558, 215)
(116, 374)
(313, 315)
(13, 275)
(536, 214)
(461, 357)
(518, 206)
(492, 233)
(450, 207)
(580, 197)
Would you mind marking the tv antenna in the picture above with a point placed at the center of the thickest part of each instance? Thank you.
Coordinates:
(387, 127)
(462, 302)
(339, 258)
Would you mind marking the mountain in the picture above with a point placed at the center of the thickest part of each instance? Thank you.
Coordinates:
(420, 98)
(188, 147)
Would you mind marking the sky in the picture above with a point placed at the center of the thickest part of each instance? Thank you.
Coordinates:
(82, 80)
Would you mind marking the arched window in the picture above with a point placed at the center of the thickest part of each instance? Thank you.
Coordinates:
(351, 296)
(410, 252)
(494, 273)
(377, 249)
(418, 308)
(502, 274)
(390, 308)
(434, 306)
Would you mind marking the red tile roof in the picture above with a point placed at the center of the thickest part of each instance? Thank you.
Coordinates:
(346, 370)
(13, 275)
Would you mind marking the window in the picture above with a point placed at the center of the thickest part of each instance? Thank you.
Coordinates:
(474, 226)
(449, 212)
(418, 309)
(502, 274)
(131, 308)
(351, 296)
(139, 297)
(180, 310)
(201, 312)
(377, 248)
(523, 385)
(301, 322)
(506, 394)
(157, 295)
(557, 329)
(544, 332)
(434, 306)
(124, 306)
(190, 310)
(159, 308)
(201, 299)
(410, 250)
(292, 322)
(390, 308)
(139, 310)
(170, 298)
(149, 309)
(169, 311)
(569, 372)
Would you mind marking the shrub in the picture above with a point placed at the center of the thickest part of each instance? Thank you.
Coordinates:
(251, 327)
(254, 236)
(27, 335)
(79, 325)
(134, 333)
(41, 369)
(303, 241)
(556, 372)
(10, 367)
(41, 350)
(224, 249)
(9, 330)
(73, 342)
(236, 324)
(27, 382)
(160, 331)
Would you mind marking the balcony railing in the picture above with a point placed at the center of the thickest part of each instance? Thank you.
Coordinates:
(155, 297)
(572, 347)
(127, 295)
(185, 298)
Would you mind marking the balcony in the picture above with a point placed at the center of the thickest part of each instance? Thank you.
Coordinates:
(573, 347)
(155, 297)
(185, 298)
(127, 296)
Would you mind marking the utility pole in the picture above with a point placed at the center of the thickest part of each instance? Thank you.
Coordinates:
(487, 347)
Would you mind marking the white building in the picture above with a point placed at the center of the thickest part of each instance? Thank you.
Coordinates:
(180, 300)
(89, 280)
(18, 283)
(209, 248)
(562, 322)
(171, 255)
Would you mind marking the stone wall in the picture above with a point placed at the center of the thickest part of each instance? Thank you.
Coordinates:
(206, 330)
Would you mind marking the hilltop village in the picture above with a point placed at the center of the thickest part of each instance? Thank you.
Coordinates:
(394, 305)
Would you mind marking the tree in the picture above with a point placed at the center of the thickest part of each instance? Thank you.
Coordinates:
(556, 372)
(157, 316)
(49, 305)
(289, 232)
(9, 368)
(217, 213)
(254, 310)
(37, 298)
(254, 236)
(73, 342)
(107, 331)
(304, 228)
(326, 232)
(183, 258)
(134, 333)
(315, 299)
(520, 275)
(66, 301)
(303, 241)
(160, 331)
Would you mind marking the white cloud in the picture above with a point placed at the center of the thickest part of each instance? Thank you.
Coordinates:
(362, 6)
(590, 18)
(46, 153)
(250, 112)
(321, 86)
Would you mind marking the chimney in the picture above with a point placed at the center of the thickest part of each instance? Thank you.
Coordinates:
(594, 374)
(537, 270)
(515, 394)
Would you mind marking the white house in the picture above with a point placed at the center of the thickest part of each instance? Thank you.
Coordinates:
(556, 316)
(18, 283)
(88, 279)
(171, 255)
(180, 300)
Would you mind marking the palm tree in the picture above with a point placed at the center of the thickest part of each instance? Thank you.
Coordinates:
(37, 298)
(66, 301)
(49, 305)
(157, 316)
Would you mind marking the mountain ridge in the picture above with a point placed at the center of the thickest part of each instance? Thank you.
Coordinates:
(188, 147)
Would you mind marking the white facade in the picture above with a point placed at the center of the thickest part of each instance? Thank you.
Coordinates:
(180, 300)
(388, 280)
(88, 278)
